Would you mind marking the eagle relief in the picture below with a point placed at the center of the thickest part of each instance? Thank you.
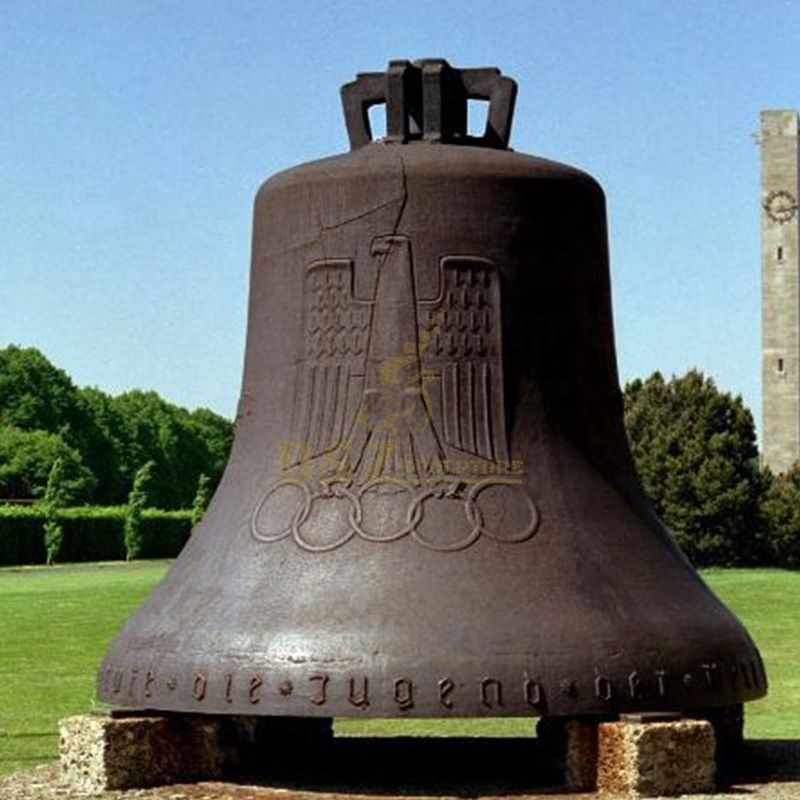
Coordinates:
(398, 426)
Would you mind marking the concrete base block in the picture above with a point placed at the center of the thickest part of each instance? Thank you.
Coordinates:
(651, 759)
(100, 752)
(134, 750)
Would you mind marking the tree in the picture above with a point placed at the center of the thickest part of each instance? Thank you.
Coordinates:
(695, 451)
(37, 396)
(53, 498)
(201, 499)
(781, 509)
(106, 446)
(183, 445)
(137, 500)
(217, 434)
(26, 459)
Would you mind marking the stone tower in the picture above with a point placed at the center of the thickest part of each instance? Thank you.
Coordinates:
(780, 292)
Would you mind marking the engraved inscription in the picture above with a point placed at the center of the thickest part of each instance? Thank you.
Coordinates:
(199, 686)
(446, 686)
(710, 670)
(603, 689)
(359, 697)
(254, 693)
(491, 691)
(404, 693)
(532, 691)
(319, 697)
(149, 680)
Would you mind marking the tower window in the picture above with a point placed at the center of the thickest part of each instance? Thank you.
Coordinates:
(780, 366)
(780, 253)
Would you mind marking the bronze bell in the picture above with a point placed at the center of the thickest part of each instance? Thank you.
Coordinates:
(430, 508)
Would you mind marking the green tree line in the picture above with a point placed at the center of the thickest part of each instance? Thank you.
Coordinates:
(101, 441)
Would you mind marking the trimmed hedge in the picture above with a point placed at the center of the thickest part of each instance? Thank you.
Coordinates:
(90, 534)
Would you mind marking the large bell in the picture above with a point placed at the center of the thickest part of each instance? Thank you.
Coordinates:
(430, 508)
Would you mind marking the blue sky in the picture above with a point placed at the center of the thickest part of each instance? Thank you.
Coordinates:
(133, 136)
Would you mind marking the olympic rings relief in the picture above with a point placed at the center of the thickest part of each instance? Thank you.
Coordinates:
(303, 502)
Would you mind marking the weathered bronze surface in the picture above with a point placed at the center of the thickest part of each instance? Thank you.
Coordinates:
(430, 508)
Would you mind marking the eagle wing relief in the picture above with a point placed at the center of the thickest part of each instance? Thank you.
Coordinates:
(398, 418)
(329, 376)
(461, 346)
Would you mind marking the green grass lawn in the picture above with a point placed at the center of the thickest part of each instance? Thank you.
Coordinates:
(56, 623)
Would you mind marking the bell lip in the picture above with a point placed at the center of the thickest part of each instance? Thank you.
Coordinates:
(514, 689)
(598, 711)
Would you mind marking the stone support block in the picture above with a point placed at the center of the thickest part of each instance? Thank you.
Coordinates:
(134, 750)
(105, 751)
(652, 759)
